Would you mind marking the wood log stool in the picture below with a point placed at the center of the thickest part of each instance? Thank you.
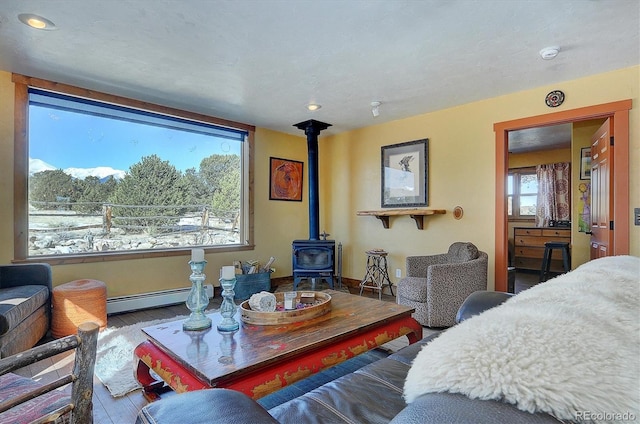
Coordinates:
(76, 302)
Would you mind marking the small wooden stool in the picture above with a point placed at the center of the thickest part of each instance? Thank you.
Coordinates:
(376, 276)
(546, 260)
(77, 302)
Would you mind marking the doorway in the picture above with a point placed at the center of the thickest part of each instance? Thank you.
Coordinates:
(528, 149)
(620, 112)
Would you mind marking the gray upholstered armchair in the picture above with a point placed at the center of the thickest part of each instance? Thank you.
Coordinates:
(437, 285)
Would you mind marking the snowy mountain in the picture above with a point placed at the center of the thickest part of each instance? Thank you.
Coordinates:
(102, 172)
(37, 165)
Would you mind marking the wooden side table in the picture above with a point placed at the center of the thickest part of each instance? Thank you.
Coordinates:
(377, 275)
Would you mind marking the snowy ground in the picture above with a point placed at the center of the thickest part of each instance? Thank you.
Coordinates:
(62, 232)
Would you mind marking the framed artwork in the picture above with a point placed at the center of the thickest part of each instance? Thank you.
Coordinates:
(285, 179)
(585, 163)
(405, 169)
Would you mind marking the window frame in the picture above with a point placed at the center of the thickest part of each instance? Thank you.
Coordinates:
(515, 205)
(21, 173)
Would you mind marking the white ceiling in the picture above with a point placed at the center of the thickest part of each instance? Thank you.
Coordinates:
(262, 61)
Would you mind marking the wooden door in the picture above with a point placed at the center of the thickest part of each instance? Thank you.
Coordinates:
(602, 191)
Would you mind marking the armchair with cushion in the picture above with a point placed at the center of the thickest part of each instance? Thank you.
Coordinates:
(436, 285)
(25, 306)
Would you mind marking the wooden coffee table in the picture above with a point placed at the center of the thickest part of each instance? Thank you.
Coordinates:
(258, 360)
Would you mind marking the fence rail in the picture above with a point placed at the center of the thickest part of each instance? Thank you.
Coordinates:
(113, 216)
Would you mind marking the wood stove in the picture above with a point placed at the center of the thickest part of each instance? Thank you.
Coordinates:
(314, 258)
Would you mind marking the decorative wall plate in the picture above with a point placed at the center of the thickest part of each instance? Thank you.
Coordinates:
(458, 212)
(554, 99)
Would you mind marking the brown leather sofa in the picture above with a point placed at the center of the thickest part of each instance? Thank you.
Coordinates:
(372, 394)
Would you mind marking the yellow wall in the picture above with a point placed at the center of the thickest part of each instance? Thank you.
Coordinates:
(461, 172)
(522, 160)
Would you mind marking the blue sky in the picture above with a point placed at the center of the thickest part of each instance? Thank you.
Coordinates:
(67, 139)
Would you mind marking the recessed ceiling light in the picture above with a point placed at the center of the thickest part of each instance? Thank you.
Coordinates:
(35, 21)
(549, 53)
(313, 106)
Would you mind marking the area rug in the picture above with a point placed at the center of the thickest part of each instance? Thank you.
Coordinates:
(114, 359)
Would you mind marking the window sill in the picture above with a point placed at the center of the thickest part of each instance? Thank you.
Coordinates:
(126, 256)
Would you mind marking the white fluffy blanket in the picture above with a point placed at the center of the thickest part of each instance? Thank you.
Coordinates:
(569, 347)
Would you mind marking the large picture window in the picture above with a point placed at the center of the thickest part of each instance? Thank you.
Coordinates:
(107, 178)
(522, 194)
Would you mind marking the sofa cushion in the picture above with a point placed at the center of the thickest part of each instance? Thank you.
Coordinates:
(462, 252)
(26, 334)
(370, 394)
(17, 303)
(413, 288)
(12, 386)
(457, 408)
(209, 406)
(352, 398)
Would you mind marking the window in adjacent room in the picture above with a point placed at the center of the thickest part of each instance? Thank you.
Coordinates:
(522, 193)
(107, 178)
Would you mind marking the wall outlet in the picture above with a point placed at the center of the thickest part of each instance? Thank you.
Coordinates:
(398, 273)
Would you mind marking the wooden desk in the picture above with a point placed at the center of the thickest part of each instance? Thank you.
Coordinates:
(258, 360)
(529, 246)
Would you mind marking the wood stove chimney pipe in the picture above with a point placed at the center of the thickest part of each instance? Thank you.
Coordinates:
(311, 129)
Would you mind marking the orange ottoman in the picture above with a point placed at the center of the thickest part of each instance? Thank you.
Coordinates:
(77, 302)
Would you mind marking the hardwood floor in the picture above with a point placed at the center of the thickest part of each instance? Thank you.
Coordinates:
(123, 410)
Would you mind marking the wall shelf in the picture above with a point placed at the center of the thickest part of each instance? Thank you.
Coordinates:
(417, 215)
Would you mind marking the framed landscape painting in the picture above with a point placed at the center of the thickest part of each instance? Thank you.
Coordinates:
(405, 173)
(285, 179)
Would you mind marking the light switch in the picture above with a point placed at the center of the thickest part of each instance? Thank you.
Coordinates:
(636, 216)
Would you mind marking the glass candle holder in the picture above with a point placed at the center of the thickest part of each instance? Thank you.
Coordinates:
(228, 308)
(197, 301)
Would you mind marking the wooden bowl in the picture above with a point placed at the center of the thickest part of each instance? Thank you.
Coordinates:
(321, 306)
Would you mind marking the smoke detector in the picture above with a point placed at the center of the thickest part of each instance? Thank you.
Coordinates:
(549, 53)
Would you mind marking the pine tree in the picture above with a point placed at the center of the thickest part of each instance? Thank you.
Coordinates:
(50, 187)
(150, 182)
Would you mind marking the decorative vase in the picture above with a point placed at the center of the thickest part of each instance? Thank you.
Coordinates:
(228, 308)
(197, 300)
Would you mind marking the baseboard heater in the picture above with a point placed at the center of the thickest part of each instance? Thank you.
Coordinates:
(151, 300)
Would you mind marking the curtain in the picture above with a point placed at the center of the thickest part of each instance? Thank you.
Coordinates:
(553, 193)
